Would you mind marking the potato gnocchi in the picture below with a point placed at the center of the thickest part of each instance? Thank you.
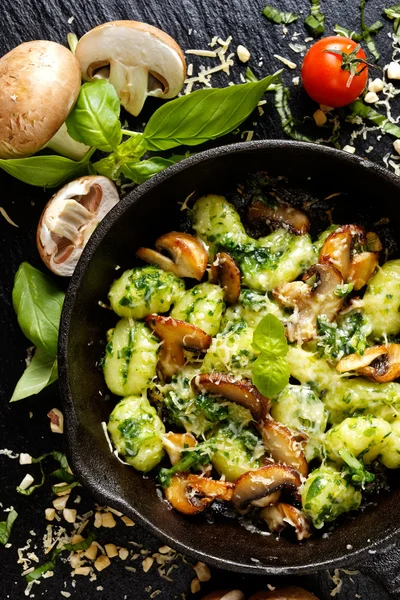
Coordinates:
(181, 358)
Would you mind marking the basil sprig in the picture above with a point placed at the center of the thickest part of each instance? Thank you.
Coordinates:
(358, 108)
(271, 370)
(204, 115)
(6, 526)
(38, 303)
(315, 22)
(277, 16)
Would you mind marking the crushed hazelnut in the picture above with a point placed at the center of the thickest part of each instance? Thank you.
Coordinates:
(128, 522)
(50, 513)
(202, 571)
(56, 420)
(107, 520)
(147, 563)
(195, 586)
(123, 553)
(69, 515)
(111, 550)
(91, 552)
(97, 520)
(102, 562)
(61, 502)
(82, 571)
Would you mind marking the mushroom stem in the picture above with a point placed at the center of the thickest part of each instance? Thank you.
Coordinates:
(130, 83)
(64, 144)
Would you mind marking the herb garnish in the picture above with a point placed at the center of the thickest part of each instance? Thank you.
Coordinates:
(271, 370)
(393, 12)
(277, 16)
(6, 526)
(316, 20)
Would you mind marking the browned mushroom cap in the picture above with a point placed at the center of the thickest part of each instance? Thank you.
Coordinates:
(362, 267)
(225, 271)
(205, 486)
(262, 482)
(278, 516)
(174, 443)
(188, 255)
(308, 302)
(69, 219)
(175, 335)
(279, 215)
(288, 593)
(338, 249)
(283, 446)
(240, 391)
(191, 494)
(267, 500)
(379, 363)
(225, 595)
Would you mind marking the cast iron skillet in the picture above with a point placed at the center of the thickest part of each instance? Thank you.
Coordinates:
(367, 541)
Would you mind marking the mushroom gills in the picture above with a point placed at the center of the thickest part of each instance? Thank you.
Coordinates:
(131, 85)
(379, 363)
(262, 482)
(283, 446)
(281, 214)
(225, 271)
(278, 516)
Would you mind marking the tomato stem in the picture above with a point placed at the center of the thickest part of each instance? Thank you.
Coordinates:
(350, 62)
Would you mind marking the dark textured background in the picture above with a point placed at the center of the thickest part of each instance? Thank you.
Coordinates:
(21, 20)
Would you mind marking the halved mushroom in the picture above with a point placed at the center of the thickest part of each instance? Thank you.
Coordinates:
(225, 595)
(175, 335)
(379, 363)
(262, 482)
(174, 443)
(139, 60)
(240, 391)
(267, 500)
(39, 85)
(338, 249)
(283, 446)
(188, 255)
(280, 215)
(225, 271)
(278, 516)
(308, 302)
(69, 219)
(287, 593)
(191, 494)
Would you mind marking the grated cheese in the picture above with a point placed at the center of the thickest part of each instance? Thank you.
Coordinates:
(206, 53)
(286, 61)
(9, 220)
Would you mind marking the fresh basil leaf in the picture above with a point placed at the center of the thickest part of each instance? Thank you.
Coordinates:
(316, 20)
(6, 526)
(270, 374)
(32, 488)
(358, 108)
(281, 103)
(94, 119)
(250, 76)
(109, 166)
(58, 456)
(344, 32)
(204, 115)
(58, 489)
(277, 16)
(366, 33)
(41, 372)
(44, 171)
(269, 336)
(130, 151)
(145, 169)
(133, 148)
(37, 302)
(393, 12)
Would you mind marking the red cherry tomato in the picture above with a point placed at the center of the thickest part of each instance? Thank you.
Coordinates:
(323, 77)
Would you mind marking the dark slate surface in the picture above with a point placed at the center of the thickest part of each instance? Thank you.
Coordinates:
(21, 20)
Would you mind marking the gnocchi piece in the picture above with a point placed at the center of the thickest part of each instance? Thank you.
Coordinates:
(382, 300)
(137, 432)
(252, 307)
(236, 452)
(390, 455)
(145, 290)
(326, 495)
(364, 437)
(202, 306)
(131, 357)
(231, 351)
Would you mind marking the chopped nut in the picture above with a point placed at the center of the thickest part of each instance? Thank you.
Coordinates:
(102, 562)
(123, 553)
(349, 149)
(396, 146)
(202, 571)
(195, 586)
(61, 502)
(164, 549)
(111, 550)
(26, 482)
(371, 98)
(25, 459)
(75, 560)
(320, 117)
(76, 539)
(393, 71)
(82, 571)
(69, 515)
(50, 513)
(243, 53)
(91, 552)
(56, 420)
(107, 520)
(147, 563)
(97, 520)
(376, 86)
(128, 522)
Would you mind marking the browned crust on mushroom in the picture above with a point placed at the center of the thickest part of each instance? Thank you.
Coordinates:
(241, 391)
(283, 446)
(175, 335)
(177, 494)
(278, 516)
(308, 302)
(225, 271)
(362, 267)
(174, 443)
(280, 215)
(262, 482)
(188, 256)
(379, 363)
(211, 488)
(288, 593)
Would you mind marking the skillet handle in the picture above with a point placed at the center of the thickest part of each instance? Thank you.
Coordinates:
(384, 566)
